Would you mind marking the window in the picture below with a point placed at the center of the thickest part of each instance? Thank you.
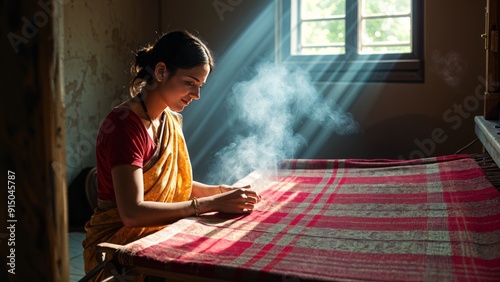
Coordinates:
(353, 40)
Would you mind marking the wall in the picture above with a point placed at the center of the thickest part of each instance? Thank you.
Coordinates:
(99, 37)
(396, 120)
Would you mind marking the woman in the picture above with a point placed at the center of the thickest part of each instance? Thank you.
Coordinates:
(144, 172)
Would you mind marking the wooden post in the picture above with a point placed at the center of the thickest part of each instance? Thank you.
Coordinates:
(491, 36)
(33, 144)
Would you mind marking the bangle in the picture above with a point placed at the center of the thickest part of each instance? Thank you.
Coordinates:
(196, 206)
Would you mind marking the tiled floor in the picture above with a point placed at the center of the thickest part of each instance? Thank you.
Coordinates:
(76, 271)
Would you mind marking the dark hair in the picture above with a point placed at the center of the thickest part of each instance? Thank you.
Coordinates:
(177, 49)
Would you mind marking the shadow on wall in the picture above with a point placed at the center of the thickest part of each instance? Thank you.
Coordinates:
(394, 135)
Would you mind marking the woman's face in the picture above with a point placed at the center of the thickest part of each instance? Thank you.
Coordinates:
(180, 89)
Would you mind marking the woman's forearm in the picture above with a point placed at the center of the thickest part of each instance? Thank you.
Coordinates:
(150, 213)
(201, 190)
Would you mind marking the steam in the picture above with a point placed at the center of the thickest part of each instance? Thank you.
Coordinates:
(267, 108)
(450, 67)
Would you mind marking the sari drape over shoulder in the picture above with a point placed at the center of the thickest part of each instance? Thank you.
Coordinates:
(169, 179)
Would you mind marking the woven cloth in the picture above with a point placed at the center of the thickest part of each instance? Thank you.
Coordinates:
(432, 219)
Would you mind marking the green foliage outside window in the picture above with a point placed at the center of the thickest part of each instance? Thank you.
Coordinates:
(384, 26)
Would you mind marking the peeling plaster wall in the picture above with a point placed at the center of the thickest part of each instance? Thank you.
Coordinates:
(99, 40)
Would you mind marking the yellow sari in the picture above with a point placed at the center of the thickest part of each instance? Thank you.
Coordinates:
(168, 180)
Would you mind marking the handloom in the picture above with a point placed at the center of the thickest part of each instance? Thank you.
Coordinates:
(431, 219)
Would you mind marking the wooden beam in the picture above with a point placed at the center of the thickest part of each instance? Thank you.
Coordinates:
(491, 36)
(33, 142)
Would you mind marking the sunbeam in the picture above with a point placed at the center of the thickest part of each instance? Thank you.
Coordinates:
(259, 109)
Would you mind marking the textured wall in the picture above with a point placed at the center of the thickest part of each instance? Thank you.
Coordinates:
(99, 37)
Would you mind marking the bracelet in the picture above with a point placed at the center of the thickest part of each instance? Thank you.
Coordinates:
(196, 205)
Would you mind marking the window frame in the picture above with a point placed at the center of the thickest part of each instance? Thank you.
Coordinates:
(353, 67)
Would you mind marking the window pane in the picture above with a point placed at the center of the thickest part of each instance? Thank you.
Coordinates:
(386, 35)
(319, 34)
(323, 51)
(385, 50)
(314, 9)
(386, 7)
(323, 32)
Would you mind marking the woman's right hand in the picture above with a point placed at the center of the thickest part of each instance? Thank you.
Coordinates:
(236, 201)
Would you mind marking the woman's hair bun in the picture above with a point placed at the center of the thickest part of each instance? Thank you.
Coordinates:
(142, 57)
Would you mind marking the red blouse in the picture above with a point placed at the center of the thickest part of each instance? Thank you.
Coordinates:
(122, 139)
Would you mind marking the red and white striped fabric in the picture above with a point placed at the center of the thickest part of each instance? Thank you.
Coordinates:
(433, 219)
